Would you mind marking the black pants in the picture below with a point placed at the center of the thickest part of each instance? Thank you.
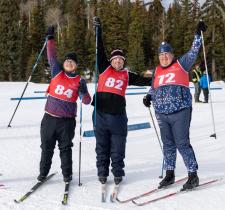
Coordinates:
(206, 94)
(111, 134)
(197, 91)
(57, 129)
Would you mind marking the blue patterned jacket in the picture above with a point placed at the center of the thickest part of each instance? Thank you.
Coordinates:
(172, 98)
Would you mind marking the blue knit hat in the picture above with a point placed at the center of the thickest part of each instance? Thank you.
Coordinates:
(165, 47)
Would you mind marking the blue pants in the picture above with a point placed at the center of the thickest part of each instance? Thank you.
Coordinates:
(111, 134)
(174, 129)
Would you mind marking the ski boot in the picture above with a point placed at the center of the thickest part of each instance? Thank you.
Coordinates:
(192, 182)
(118, 179)
(168, 180)
(102, 179)
(41, 178)
(67, 178)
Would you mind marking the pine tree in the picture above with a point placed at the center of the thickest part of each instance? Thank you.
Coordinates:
(135, 56)
(186, 24)
(24, 46)
(113, 25)
(174, 30)
(9, 40)
(213, 12)
(76, 30)
(155, 30)
(36, 40)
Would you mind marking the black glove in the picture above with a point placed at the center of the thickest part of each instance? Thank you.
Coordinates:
(96, 21)
(82, 87)
(50, 32)
(200, 27)
(147, 100)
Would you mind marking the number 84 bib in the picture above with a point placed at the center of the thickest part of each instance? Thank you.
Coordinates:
(173, 75)
(64, 88)
(113, 81)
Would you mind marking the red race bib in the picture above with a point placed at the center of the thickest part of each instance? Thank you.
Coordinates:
(64, 88)
(173, 75)
(113, 81)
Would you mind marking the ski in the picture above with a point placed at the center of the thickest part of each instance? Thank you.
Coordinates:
(114, 193)
(174, 193)
(34, 188)
(149, 192)
(103, 192)
(66, 193)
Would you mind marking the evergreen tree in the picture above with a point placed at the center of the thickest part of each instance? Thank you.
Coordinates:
(24, 46)
(76, 30)
(9, 40)
(213, 12)
(186, 24)
(174, 31)
(91, 7)
(135, 56)
(155, 31)
(36, 40)
(113, 25)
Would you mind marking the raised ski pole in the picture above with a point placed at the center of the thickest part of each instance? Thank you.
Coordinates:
(157, 134)
(210, 96)
(33, 69)
(79, 183)
(95, 19)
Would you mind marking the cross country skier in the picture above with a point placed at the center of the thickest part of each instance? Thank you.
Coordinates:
(172, 102)
(58, 123)
(110, 121)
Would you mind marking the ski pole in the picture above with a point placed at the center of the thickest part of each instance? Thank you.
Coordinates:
(207, 74)
(96, 70)
(80, 142)
(33, 69)
(160, 144)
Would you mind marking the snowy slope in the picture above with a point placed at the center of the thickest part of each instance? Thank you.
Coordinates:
(20, 156)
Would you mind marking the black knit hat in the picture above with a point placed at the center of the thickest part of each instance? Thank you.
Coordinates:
(117, 53)
(71, 56)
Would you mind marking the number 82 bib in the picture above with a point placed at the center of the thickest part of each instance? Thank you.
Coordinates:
(113, 81)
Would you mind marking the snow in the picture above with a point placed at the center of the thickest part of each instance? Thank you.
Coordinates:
(20, 156)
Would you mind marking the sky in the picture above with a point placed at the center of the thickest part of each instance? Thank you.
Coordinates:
(167, 2)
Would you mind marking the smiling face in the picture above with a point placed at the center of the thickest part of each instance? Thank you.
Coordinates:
(117, 63)
(69, 65)
(165, 59)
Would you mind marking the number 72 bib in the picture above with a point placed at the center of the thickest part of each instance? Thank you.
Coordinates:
(173, 75)
(113, 81)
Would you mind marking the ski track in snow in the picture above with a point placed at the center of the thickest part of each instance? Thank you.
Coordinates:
(20, 156)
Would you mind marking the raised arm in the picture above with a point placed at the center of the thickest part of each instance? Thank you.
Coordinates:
(51, 53)
(103, 62)
(188, 59)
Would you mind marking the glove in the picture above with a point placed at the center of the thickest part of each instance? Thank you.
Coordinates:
(96, 21)
(201, 27)
(147, 100)
(82, 86)
(50, 32)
